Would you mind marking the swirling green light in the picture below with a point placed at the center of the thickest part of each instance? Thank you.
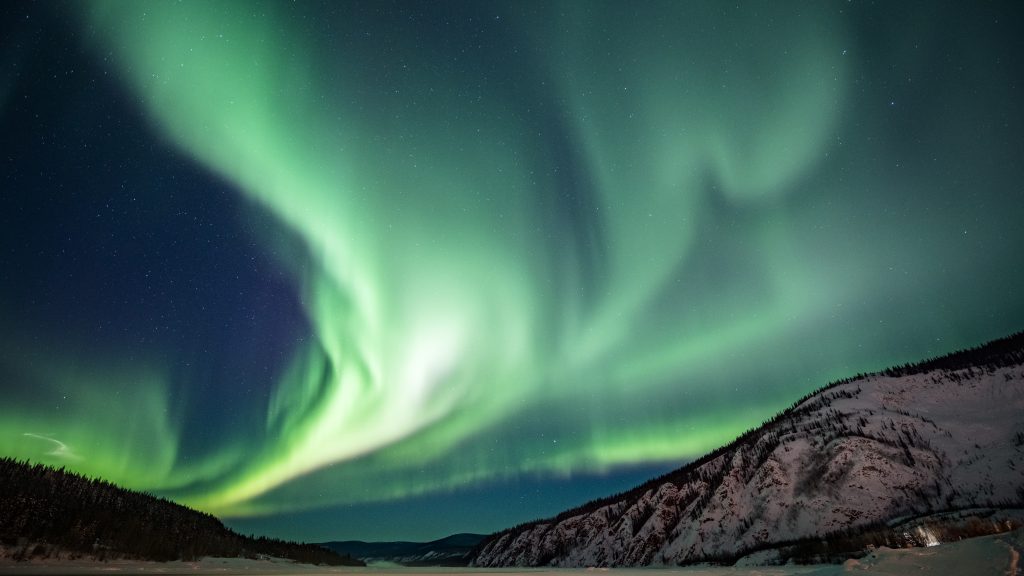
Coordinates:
(429, 295)
(601, 250)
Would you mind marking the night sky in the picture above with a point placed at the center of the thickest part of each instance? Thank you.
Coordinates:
(388, 270)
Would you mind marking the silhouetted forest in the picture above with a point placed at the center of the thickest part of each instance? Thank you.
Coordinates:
(44, 511)
(450, 551)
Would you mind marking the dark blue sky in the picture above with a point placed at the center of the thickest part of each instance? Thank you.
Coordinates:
(391, 271)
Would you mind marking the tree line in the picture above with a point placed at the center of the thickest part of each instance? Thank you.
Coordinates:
(46, 511)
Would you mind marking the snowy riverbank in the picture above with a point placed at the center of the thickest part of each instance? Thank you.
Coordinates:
(995, 555)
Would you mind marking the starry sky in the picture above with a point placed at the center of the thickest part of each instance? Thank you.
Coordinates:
(394, 270)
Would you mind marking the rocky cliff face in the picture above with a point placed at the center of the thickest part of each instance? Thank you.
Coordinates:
(942, 435)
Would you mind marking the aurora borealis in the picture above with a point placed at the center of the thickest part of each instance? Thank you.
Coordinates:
(365, 270)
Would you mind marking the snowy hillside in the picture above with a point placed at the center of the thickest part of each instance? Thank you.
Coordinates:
(943, 435)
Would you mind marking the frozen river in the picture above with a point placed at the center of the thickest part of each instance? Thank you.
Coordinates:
(995, 555)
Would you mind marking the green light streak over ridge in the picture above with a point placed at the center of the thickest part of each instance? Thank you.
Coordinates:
(613, 235)
(410, 323)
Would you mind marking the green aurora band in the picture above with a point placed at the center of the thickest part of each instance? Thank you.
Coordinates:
(483, 303)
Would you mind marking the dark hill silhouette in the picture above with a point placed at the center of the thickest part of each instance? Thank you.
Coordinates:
(448, 551)
(44, 510)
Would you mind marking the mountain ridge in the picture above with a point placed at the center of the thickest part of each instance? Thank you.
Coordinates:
(452, 550)
(865, 417)
(47, 512)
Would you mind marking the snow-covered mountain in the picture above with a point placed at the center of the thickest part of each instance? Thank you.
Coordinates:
(946, 434)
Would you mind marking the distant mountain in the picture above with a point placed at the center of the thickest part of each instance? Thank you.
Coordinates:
(45, 512)
(874, 459)
(450, 551)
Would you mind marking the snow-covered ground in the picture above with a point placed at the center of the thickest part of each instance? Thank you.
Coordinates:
(989, 555)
